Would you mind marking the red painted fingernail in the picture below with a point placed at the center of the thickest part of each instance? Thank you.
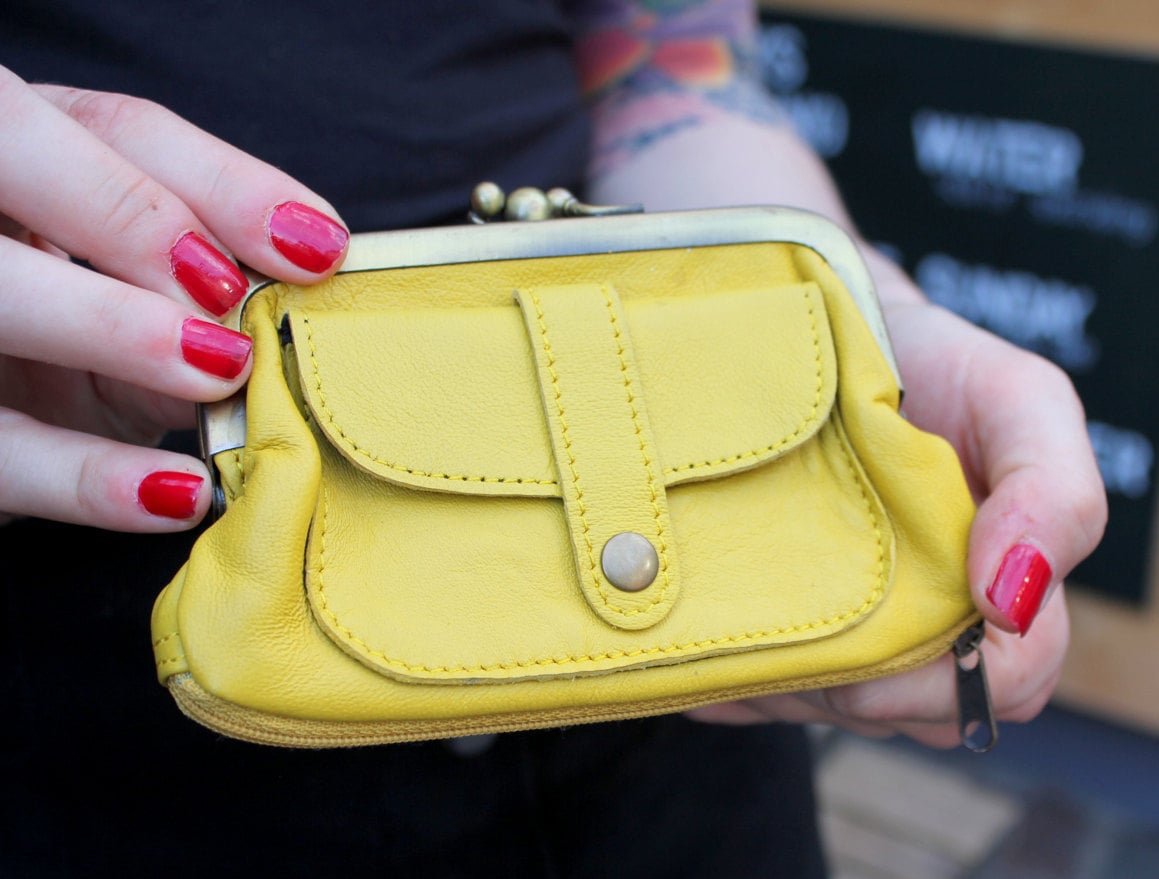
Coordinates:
(213, 348)
(307, 238)
(209, 277)
(1020, 585)
(170, 493)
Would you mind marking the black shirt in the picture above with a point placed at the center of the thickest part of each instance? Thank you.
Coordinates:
(392, 111)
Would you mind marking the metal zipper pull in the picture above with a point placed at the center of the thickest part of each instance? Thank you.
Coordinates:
(976, 724)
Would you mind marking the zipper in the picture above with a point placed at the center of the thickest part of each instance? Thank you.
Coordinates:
(976, 724)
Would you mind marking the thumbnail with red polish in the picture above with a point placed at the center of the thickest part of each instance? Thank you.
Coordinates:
(170, 493)
(209, 277)
(1020, 585)
(307, 238)
(213, 348)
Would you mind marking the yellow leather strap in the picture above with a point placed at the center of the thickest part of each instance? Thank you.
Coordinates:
(604, 451)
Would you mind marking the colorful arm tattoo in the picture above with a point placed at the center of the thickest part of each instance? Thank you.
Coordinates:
(651, 68)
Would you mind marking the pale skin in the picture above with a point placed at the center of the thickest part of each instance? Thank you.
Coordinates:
(1014, 418)
(92, 371)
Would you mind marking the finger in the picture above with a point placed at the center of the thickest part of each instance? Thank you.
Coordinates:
(53, 311)
(267, 219)
(59, 474)
(11, 229)
(1020, 429)
(922, 704)
(1021, 674)
(784, 708)
(67, 186)
(1047, 507)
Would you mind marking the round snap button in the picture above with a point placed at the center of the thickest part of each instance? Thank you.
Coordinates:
(629, 561)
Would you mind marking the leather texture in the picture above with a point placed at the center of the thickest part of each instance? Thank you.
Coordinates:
(434, 461)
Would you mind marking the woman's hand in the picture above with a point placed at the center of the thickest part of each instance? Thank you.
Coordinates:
(681, 120)
(97, 362)
(1020, 432)
(1013, 418)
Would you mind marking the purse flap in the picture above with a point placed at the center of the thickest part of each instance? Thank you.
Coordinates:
(447, 398)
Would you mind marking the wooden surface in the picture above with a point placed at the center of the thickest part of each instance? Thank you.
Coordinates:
(1126, 26)
(885, 813)
(1066, 799)
(1112, 668)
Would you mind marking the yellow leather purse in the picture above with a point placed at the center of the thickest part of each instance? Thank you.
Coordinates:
(517, 475)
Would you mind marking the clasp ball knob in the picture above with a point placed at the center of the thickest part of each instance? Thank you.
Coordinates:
(487, 200)
(527, 203)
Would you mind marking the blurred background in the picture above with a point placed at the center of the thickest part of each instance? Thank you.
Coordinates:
(1006, 153)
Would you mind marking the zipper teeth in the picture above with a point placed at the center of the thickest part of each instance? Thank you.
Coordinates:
(259, 727)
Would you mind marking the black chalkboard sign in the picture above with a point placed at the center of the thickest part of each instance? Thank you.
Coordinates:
(1019, 185)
